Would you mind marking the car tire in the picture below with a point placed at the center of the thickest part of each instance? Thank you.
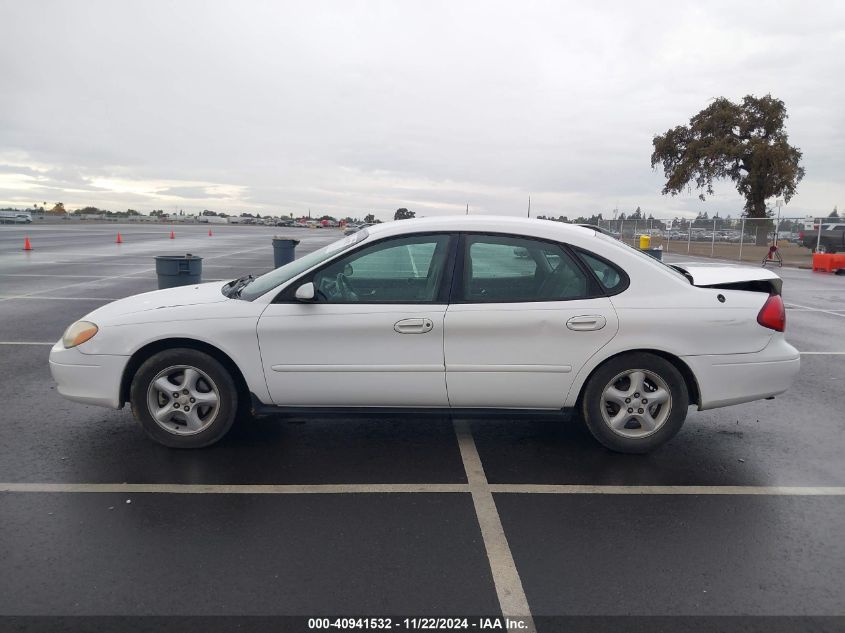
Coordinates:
(635, 402)
(184, 398)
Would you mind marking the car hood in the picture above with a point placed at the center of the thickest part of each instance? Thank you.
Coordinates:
(170, 298)
(711, 275)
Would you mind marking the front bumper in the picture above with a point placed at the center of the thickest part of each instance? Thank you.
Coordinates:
(88, 378)
(727, 379)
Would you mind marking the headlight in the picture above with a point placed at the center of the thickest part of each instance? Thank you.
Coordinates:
(78, 333)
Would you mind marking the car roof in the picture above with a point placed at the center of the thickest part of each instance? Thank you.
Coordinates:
(638, 265)
(485, 223)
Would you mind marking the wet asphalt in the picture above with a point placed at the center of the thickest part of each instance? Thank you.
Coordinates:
(678, 556)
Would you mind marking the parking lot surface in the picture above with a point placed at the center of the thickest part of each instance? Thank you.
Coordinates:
(740, 515)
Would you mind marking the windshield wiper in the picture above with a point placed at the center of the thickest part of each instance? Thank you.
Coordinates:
(234, 288)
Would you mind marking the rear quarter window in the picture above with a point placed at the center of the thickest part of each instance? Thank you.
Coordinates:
(611, 278)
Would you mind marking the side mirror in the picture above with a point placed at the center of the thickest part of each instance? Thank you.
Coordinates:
(305, 292)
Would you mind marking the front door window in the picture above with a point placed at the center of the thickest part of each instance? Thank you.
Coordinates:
(406, 270)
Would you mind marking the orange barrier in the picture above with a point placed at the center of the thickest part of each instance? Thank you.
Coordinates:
(26, 245)
(838, 260)
(824, 262)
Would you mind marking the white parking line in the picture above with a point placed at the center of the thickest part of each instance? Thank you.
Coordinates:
(240, 489)
(74, 262)
(791, 309)
(822, 353)
(789, 304)
(506, 578)
(560, 489)
(797, 491)
(60, 298)
(26, 343)
(50, 275)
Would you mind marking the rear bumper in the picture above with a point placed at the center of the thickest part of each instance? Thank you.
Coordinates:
(728, 379)
(88, 378)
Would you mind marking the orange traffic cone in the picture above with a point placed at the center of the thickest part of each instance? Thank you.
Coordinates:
(26, 245)
(119, 239)
(172, 235)
(209, 232)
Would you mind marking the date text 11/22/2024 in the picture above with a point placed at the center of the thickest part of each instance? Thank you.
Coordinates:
(420, 623)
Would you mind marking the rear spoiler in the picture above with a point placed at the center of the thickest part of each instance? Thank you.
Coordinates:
(731, 277)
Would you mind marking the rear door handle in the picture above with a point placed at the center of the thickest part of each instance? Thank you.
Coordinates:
(586, 323)
(414, 326)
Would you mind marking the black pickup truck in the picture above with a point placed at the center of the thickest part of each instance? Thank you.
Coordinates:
(832, 239)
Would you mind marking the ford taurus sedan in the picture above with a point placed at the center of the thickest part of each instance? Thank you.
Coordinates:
(474, 315)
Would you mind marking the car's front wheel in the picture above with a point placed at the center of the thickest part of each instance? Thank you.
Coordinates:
(635, 402)
(184, 398)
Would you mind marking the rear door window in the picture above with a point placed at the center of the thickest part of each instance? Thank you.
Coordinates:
(504, 268)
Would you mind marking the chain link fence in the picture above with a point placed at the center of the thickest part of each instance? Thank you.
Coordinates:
(740, 239)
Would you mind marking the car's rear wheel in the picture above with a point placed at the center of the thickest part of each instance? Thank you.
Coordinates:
(184, 398)
(635, 402)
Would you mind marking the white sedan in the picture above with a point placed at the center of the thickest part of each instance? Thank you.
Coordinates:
(475, 315)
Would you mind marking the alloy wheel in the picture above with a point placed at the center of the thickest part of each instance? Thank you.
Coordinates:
(183, 400)
(636, 403)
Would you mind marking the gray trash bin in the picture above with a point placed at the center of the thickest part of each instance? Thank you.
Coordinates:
(284, 251)
(178, 270)
(657, 253)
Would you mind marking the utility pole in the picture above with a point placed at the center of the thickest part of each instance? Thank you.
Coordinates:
(529, 205)
(467, 208)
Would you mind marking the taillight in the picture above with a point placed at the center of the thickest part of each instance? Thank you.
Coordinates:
(773, 314)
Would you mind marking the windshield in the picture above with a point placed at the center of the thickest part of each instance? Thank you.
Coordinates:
(285, 273)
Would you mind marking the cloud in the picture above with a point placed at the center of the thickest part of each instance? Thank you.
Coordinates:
(347, 107)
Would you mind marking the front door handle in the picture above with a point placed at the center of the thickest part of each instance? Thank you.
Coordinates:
(414, 326)
(586, 323)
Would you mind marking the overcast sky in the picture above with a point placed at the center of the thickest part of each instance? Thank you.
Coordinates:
(356, 107)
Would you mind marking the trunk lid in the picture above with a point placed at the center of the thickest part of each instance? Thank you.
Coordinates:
(730, 277)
